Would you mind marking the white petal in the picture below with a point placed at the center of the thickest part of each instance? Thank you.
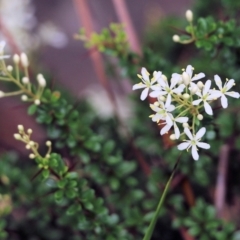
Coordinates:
(200, 133)
(196, 102)
(174, 81)
(229, 84)
(168, 100)
(189, 70)
(165, 129)
(145, 74)
(169, 120)
(176, 131)
(181, 119)
(198, 76)
(214, 94)
(224, 101)
(203, 145)
(233, 94)
(218, 81)
(208, 108)
(206, 87)
(170, 108)
(144, 94)
(188, 133)
(195, 152)
(155, 94)
(138, 86)
(183, 146)
(157, 117)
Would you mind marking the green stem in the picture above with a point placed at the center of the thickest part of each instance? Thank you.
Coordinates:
(150, 229)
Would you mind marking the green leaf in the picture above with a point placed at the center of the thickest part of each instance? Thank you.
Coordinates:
(32, 109)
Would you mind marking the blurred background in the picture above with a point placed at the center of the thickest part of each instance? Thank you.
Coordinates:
(45, 31)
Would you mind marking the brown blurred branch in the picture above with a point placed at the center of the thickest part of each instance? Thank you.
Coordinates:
(220, 191)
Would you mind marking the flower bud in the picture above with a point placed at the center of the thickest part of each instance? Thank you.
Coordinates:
(28, 146)
(185, 125)
(200, 117)
(189, 15)
(186, 78)
(9, 68)
(25, 80)
(48, 143)
(186, 96)
(24, 98)
(164, 77)
(16, 58)
(1, 94)
(176, 38)
(31, 155)
(31, 143)
(24, 60)
(194, 89)
(37, 102)
(200, 84)
(20, 128)
(41, 80)
(172, 137)
(162, 98)
(17, 136)
(29, 131)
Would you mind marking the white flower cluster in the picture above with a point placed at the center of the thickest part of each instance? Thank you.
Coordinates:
(183, 100)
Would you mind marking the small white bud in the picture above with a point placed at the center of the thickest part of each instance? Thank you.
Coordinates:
(162, 98)
(172, 137)
(164, 77)
(186, 78)
(31, 155)
(186, 96)
(16, 58)
(200, 84)
(48, 143)
(48, 156)
(9, 68)
(31, 143)
(2, 94)
(24, 98)
(24, 60)
(194, 89)
(189, 15)
(20, 128)
(29, 131)
(200, 117)
(41, 80)
(156, 104)
(17, 136)
(185, 125)
(28, 146)
(25, 80)
(176, 38)
(37, 102)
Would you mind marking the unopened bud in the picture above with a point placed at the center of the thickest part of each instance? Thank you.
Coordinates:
(25, 80)
(186, 78)
(185, 125)
(31, 155)
(37, 102)
(200, 84)
(28, 146)
(156, 104)
(9, 68)
(24, 98)
(2, 94)
(41, 80)
(200, 117)
(162, 98)
(172, 137)
(189, 15)
(176, 38)
(16, 58)
(17, 136)
(164, 77)
(24, 60)
(20, 128)
(29, 131)
(194, 89)
(186, 96)
(48, 143)
(31, 143)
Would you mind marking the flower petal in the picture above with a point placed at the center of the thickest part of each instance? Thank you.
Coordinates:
(206, 87)
(224, 101)
(196, 102)
(218, 81)
(165, 129)
(203, 145)
(176, 131)
(168, 100)
(233, 94)
(198, 76)
(188, 133)
(189, 70)
(195, 153)
(181, 119)
(138, 86)
(208, 108)
(144, 94)
(183, 146)
(145, 74)
(230, 84)
(200, 133)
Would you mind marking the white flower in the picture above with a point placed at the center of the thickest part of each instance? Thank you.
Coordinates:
(186, 76)
(162, 112)
(206, 95)
(2, 45)
(146, 82)
(194, 142)
(169, 124)
(163, 88)
(224, 90)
